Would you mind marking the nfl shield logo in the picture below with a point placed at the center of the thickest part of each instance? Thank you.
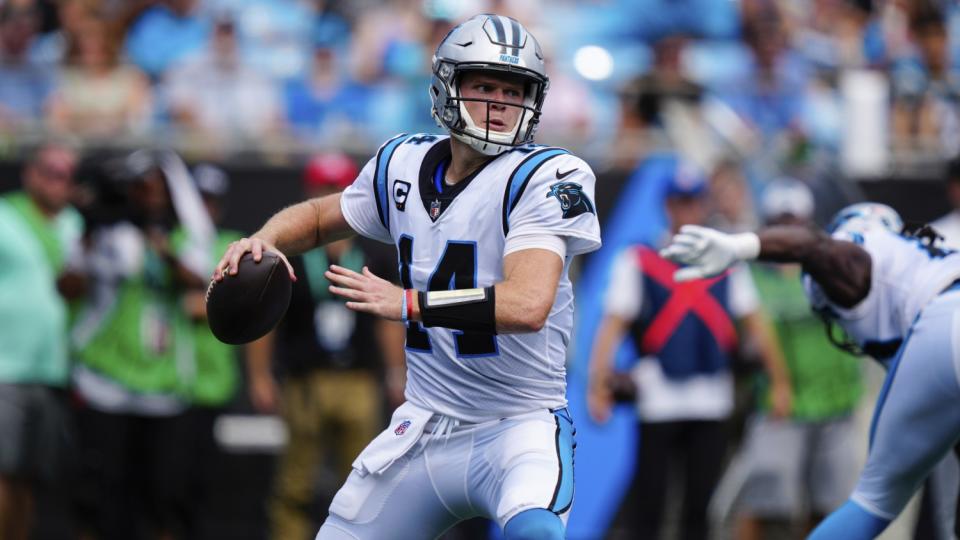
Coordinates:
(435, 210)
(402, 428)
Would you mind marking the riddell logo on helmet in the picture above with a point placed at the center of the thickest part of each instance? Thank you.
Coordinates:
(509, 59)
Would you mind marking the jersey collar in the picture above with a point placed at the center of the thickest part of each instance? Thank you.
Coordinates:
(435, 195)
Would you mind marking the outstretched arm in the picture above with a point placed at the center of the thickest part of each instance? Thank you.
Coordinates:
(841, 268)
(291, 231)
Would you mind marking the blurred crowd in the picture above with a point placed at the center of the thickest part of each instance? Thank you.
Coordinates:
(865, 85)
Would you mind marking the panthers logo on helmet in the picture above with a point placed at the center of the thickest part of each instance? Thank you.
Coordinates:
(573, 201)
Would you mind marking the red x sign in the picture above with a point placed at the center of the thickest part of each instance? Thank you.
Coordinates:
(691, 296)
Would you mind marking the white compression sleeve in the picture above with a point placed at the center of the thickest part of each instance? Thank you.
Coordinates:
(548, 242)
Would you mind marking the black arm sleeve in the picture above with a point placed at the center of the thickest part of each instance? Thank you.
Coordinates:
(472, 315)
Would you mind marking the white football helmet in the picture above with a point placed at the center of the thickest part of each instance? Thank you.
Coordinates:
(787, 196)
(490, 43)
(861, 217)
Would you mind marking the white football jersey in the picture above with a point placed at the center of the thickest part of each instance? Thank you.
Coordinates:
(453, 237)
(906, 275)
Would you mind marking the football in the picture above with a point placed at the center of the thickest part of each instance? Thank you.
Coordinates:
(246, 306)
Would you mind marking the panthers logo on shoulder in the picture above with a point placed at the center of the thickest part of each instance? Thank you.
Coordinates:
(573, 201)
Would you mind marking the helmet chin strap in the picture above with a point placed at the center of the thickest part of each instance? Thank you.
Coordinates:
(484, 147)
(498, 137)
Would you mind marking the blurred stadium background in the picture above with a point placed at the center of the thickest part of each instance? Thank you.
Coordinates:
(855, 98)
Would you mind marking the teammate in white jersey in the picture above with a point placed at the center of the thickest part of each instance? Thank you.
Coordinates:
(485, 224)
(896, 296)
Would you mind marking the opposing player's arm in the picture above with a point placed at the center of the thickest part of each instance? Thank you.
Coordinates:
(841, 268)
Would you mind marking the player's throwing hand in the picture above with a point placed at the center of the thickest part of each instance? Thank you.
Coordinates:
(231, 259)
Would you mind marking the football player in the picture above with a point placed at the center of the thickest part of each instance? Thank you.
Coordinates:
(486, 224)
(897, 297)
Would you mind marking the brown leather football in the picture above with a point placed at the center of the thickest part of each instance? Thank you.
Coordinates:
(246, 306)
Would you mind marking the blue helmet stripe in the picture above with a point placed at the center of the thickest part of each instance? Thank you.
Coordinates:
(380, 178)
(521, 176)
(840, 219)
(515, 28)
(501, 33)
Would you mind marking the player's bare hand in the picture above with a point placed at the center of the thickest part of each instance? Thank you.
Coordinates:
(257, 246)
(599, 399)
(264, 394)
(781, 400)
(158, 240)
(194, 304)
(396, 382)
(366, 292)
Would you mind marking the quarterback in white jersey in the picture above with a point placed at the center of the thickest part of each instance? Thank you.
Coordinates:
(897, 296)
(455, 237)
(486, 224)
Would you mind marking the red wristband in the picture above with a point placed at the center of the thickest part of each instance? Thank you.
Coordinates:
(409, 296)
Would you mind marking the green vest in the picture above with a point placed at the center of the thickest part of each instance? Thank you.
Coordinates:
(826, 382)
(135, 332)
(33, 315)
(215, 378)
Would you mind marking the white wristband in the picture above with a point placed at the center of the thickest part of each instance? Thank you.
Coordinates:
(746, 246)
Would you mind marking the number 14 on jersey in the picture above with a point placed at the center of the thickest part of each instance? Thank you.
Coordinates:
(457, 269)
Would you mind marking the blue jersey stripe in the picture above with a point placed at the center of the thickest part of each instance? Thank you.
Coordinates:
(563, 493)
(521, 177)
(380, 190)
